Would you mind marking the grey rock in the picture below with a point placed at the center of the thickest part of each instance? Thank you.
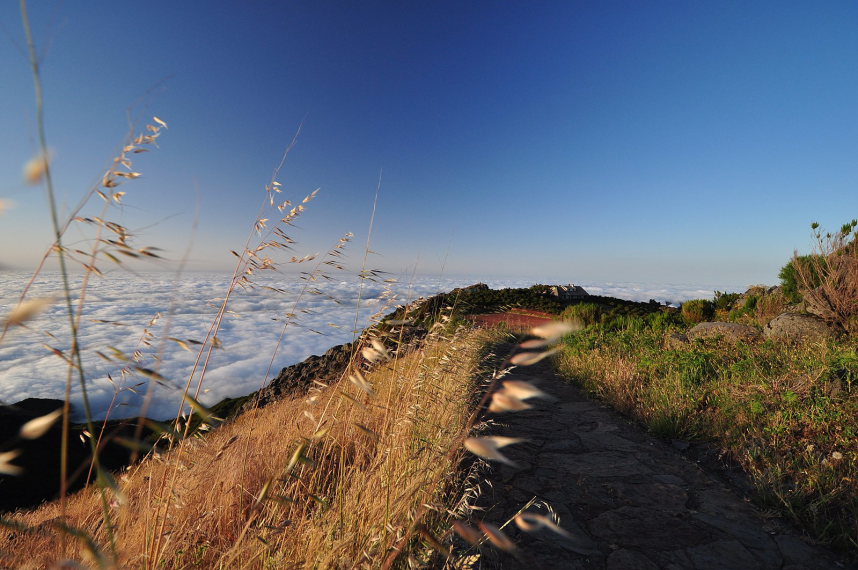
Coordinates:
(625, 559)
(656, 496)
(730, 332)
(298, 378)
(669, 479)
(796, 551)
(752, 537)
(567, 444)
(722, 555)
(646, 528)
(603, 464)
(798, 327)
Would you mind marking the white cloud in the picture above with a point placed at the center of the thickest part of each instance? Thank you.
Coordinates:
(249, 337)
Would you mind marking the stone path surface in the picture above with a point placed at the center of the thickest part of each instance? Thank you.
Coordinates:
(631, 501)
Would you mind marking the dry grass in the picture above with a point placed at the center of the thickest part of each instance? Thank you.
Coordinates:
(328, 483)
(828, 279)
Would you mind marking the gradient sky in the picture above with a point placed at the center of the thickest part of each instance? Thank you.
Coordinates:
(565, 141)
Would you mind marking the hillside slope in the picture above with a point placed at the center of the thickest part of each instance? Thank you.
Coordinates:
(308, 482)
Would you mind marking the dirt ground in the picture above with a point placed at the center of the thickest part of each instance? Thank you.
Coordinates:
(517, 320)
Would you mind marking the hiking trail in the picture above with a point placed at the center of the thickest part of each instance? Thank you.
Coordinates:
(631, 501)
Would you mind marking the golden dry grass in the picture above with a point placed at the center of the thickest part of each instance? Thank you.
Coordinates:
(330, 483)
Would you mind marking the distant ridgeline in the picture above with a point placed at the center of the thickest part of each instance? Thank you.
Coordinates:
(41, 458)
(552, 299)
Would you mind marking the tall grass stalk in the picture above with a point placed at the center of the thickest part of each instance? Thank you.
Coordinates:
(77, 361)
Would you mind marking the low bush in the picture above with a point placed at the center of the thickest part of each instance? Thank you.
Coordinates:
(828, 279)
(665, 320)
(698, 310)
(586, 314)
(725, 301)
(789, 276)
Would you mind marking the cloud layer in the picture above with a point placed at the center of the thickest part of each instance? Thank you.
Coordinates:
(119, 308)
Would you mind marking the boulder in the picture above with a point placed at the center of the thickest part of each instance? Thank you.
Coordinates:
(798, 327)
(731, 332)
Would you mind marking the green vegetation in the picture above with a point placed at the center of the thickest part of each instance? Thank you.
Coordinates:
(476, 299)
(787, 415)
(698, 310)
(827, 280)
(584, 313)
(725, 301)
(790, 276)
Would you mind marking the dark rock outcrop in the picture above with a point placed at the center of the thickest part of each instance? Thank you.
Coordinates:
(40, 458)
(298, 378)
(798, 327)
(327, 368)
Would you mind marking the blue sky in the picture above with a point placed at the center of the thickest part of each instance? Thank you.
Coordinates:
(567, 141)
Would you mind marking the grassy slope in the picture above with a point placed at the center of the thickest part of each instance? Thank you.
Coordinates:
(788, 415)
(232, 500)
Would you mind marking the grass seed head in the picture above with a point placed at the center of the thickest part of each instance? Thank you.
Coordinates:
(554, 330)
(36, 168)
(371, 355)
(528, 358)
(523, 390)
(497, 537)
(487, 447)
(382, 350)
(38, 427)
(471, 535)
(27, 311)
(532, 522)
(503, 401)
(535, 343)
(6, 467)
(358, 380)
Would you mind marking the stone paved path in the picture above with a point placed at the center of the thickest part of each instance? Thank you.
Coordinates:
(632, 501)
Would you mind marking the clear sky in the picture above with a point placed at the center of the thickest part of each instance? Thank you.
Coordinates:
(572, 141)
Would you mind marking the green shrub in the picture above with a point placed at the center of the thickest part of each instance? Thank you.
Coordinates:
(585, 313)
(698, 310)
(664, 320)
(789, 275)
(725, 301)
(623, 321)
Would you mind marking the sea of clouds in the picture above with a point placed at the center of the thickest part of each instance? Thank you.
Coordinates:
(186, 307)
